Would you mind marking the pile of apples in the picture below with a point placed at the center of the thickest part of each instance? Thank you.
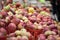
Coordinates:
(18, 23)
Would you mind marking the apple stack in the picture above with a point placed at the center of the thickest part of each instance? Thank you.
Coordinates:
(30, 23)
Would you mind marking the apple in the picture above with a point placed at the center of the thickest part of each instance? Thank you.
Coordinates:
(11, 28)
(23, 30)
(49, 33)
(41, 37)
(13, 9)
(44, 13)
(51, 37)
(24, 38)
(3, 30)
(19, 16)
(20, 26)
(8, 19)
(38, 20)
(9, 1)
(25, 18)
(58, 27)
(35, 13)
(10, 13)
(21, 22)
(2, 24)
(31, 10)
(46, 29)
(15, 21)
(0, 16)
(28, 34)
(12, 38)
(44, 8)
(40, 27)
(11, 35)
(19, 37)
(4, 14)
(18, 4)
(55, 30)
(32, 19)
(52, 26)
(14, 3)
(18, 11)
(3, 36)
(18, 32)
(48, 10)
(58, 38)
(7, 8)
(29, 13)
(29, 23)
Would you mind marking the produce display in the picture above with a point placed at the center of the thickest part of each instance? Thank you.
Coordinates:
(29, 23)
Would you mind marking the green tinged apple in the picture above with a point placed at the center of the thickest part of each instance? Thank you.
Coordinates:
(14, 3)
(42, 1)
(18, 32)
(7, 7)
(44, 13)
(18, 11)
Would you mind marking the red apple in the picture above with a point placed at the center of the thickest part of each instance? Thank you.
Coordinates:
(29, 23)
(51, 37)
(2, 24)
(41, 37)
(18, 4)
(3, 30)
(11, 28)
(12, 35)
(4, 14)
(15, 21)
(9, 1)
(3, 36)
(32, 19)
